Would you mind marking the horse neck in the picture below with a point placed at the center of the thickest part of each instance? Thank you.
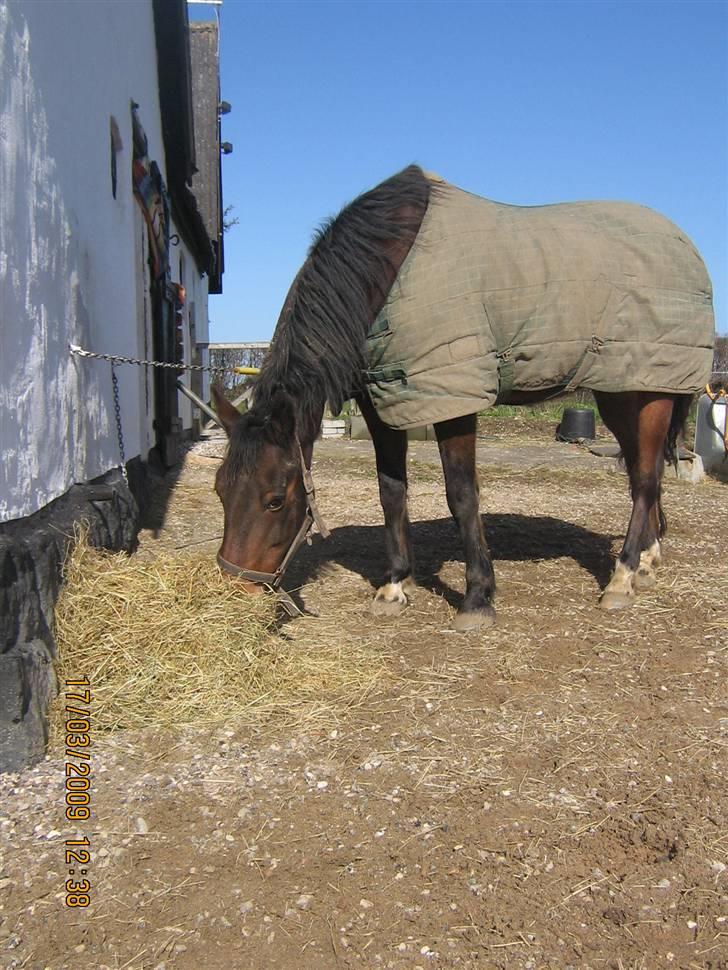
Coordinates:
(310, 415)
(308, 423)
(396, 251)
(310, 400)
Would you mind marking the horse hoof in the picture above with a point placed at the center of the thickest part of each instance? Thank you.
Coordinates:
(644, 579)
(615, 601)
(382, 607)
(469, 622)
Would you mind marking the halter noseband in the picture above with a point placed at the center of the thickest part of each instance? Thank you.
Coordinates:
(273, 580)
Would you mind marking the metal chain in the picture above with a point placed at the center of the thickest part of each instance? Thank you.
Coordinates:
(119, 432)
(115, 359)
(118, 359)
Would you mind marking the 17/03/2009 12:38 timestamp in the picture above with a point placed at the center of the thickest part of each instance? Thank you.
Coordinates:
(78, 783)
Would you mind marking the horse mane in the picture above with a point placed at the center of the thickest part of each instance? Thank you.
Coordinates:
(318, 352)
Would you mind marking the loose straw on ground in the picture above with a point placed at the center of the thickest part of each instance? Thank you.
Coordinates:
(169, 641)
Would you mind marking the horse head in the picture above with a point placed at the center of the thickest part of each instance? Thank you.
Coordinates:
(261, 484)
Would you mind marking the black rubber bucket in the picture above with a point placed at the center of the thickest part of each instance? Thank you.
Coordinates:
(577, 424)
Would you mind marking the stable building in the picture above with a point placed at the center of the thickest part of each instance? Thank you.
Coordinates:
(110, 245)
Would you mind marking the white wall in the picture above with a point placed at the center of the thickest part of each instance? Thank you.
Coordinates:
(69, 252)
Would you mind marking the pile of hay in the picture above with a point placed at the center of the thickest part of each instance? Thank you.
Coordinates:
(170, 641)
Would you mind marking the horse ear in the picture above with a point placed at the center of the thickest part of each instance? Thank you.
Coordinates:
(228, 415)
(282, 417)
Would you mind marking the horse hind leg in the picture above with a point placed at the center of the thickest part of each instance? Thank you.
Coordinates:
(651, 557)
(640, 421)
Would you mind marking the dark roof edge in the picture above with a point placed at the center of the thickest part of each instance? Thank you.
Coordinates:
(175, 98)
(188, 221)
(175, 87)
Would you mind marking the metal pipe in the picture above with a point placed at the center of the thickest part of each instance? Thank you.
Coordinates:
(245, 396)
(200, 404)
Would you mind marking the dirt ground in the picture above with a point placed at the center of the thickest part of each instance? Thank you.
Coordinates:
(551, 793)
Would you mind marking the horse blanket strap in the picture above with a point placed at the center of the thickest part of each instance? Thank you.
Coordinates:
(273, 580)
(385, 375)
(506, 374)
(495, 298)
(504, 363)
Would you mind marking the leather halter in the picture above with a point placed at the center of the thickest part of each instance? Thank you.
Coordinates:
(273, 580)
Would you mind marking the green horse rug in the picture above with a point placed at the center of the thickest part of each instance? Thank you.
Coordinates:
(494, 299)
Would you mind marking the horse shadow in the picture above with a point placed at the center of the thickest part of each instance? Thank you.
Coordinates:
(153, 486)
(511, 538)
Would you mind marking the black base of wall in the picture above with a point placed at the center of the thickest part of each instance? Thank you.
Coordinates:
(32, 552)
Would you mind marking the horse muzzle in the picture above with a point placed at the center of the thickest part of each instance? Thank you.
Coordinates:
(255, 582)
(250, 576)
(247, 582)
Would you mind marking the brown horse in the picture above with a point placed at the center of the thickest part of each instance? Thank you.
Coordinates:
(320, 353)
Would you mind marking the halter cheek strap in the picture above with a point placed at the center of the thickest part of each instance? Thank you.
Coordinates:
(273, 580)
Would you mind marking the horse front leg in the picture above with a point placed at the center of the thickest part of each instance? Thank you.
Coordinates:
(456, 440)
(390, 447)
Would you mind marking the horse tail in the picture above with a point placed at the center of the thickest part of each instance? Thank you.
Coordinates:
(680, 410)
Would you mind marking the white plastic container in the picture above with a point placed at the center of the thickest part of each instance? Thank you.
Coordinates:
(710, 432)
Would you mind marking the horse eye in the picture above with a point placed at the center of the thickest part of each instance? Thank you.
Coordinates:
(275, 504)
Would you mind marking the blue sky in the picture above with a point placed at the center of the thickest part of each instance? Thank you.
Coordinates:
(523, 102)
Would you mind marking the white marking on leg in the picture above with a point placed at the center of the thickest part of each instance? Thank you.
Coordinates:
(652, 557)
(620, 591)
(649, 561)
(622, 580)
(389, 600)
(392, 593)
(409, 585)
